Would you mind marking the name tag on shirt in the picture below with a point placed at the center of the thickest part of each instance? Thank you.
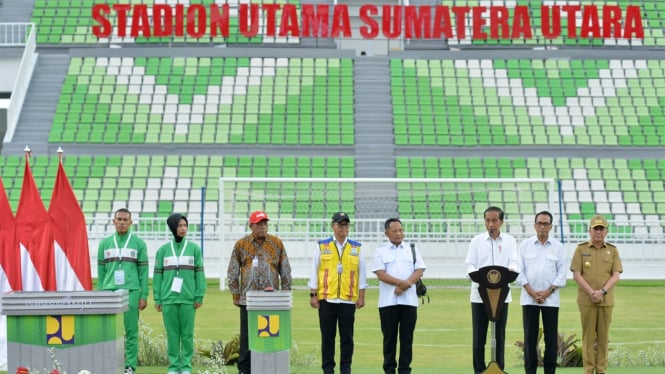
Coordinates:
(176, 286)
(119, 276)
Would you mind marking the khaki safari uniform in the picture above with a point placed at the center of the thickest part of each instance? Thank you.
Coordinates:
(596, 266)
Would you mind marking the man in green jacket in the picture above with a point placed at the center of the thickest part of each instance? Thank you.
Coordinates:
(179, 285)
(122, 263)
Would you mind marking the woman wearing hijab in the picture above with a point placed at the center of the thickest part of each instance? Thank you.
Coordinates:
(179, 285)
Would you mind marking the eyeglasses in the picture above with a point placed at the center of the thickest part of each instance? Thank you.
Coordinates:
(543, 224)
(599, 228)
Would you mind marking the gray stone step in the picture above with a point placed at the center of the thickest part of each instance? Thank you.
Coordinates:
(40, 104)
(16, 10)
(374, 136)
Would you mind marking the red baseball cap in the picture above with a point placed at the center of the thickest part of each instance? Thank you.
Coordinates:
(258, 216)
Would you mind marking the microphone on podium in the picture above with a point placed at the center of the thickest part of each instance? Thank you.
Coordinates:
(492, 243)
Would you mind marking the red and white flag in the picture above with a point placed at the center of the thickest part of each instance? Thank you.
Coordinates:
(34, 237)
(10, 259)
(10, 265)
(72, 257)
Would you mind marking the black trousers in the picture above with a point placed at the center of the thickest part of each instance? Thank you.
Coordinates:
(530, 321)
(332, 315)
(480, 325)
(245, 358)
(398, 320)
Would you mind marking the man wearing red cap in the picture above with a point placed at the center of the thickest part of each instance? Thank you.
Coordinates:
(337, 284)
(258, 262)
(596, 267)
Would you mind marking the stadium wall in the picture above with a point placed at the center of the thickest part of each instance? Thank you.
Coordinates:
(444, 260)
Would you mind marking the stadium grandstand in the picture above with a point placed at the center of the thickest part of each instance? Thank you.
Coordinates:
(430, 130)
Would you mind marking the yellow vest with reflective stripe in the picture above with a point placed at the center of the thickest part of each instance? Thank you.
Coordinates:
(335, 285)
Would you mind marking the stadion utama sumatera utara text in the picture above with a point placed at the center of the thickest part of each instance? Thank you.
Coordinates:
(390, 21)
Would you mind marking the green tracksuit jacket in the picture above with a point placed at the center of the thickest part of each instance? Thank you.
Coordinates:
(171, 262)
(130, 255)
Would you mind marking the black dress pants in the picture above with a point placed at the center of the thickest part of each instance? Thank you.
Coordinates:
(398, 320)
(245, 358)
(480, 326)
(332, 316)
(530, 321)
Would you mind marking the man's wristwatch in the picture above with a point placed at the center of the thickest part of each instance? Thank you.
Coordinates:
(604, 291)
(312, 294)
(552, 289)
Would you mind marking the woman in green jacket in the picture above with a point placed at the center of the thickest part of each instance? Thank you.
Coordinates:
(179, 285)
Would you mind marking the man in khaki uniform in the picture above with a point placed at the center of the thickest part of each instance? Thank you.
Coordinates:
(596, 267)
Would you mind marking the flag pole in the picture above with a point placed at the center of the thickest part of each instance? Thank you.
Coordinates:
(60, 152)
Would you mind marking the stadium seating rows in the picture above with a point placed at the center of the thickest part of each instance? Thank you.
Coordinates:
(70, 22)
(309, 101)
(206, 101)
(528, 102)
(154, 186)
(630, 192)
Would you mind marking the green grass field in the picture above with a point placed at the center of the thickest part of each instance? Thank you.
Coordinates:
(443, 334)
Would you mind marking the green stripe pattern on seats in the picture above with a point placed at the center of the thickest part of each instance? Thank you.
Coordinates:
(528, 102)
(151, 100)
(155, 186)
(625, 190)
(71, 22)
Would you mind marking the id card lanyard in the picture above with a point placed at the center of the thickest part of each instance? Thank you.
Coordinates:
(340, 253)
(119, 275)
(118, 251)
(177, 265)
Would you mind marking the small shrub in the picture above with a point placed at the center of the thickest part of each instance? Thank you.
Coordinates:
(302, 359)
(653, 356)
(212, 359)
(226, 354)
(568, 353)
(220, 355)
(152, 349)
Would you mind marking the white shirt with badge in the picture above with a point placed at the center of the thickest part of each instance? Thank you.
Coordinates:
(397, 261)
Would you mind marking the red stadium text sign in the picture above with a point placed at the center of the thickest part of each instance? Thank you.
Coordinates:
(390, 21)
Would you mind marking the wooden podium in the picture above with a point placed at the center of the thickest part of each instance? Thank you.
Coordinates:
(493, 286)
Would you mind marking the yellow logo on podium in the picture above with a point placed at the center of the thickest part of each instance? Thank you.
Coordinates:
(59, 330)
(268, 326)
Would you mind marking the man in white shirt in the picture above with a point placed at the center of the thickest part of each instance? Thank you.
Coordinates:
(337, 284)
(397, 271)
(490, 248)
(543, 264)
